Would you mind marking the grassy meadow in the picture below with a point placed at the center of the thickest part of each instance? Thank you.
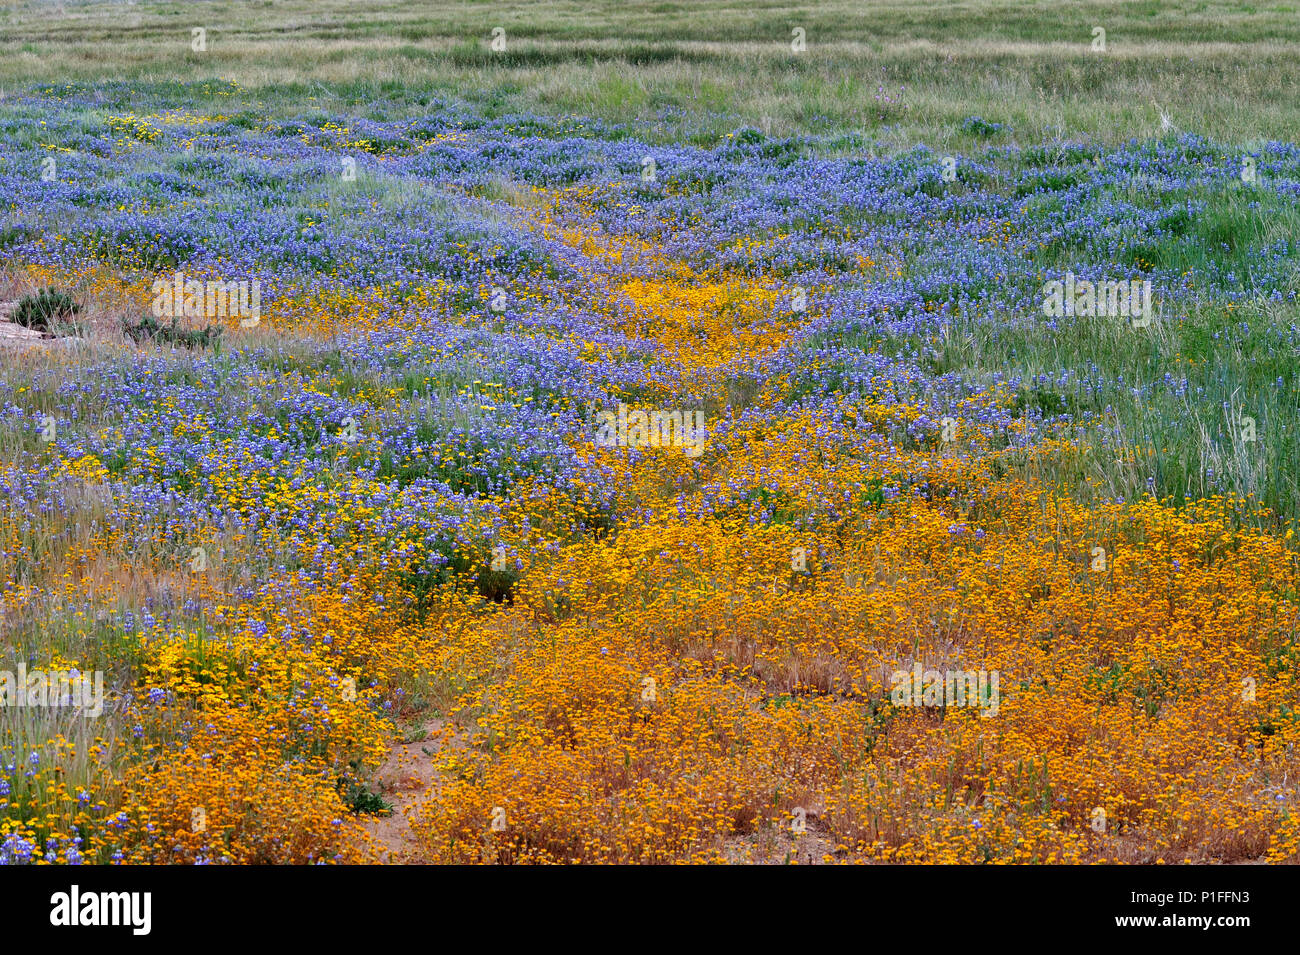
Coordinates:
(363, 576)
(694, 71)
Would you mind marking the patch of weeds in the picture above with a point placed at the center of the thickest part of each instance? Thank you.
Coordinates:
(359, 800)
(1045, 400)
(977, 126)
(148, 329)
(12, 235)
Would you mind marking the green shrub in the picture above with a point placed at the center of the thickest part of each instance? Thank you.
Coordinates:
(45, 310)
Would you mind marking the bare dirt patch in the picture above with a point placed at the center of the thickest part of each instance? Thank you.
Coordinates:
(407, 776)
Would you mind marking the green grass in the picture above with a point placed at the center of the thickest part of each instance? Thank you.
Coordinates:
(897, 71)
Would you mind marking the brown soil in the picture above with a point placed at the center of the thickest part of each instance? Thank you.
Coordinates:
(405, 778)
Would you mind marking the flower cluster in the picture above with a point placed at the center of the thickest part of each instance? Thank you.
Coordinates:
(385, 502)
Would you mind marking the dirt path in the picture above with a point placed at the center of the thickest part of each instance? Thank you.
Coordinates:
(405, 778)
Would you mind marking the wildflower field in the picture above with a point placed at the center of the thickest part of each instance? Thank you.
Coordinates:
(578, 473)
